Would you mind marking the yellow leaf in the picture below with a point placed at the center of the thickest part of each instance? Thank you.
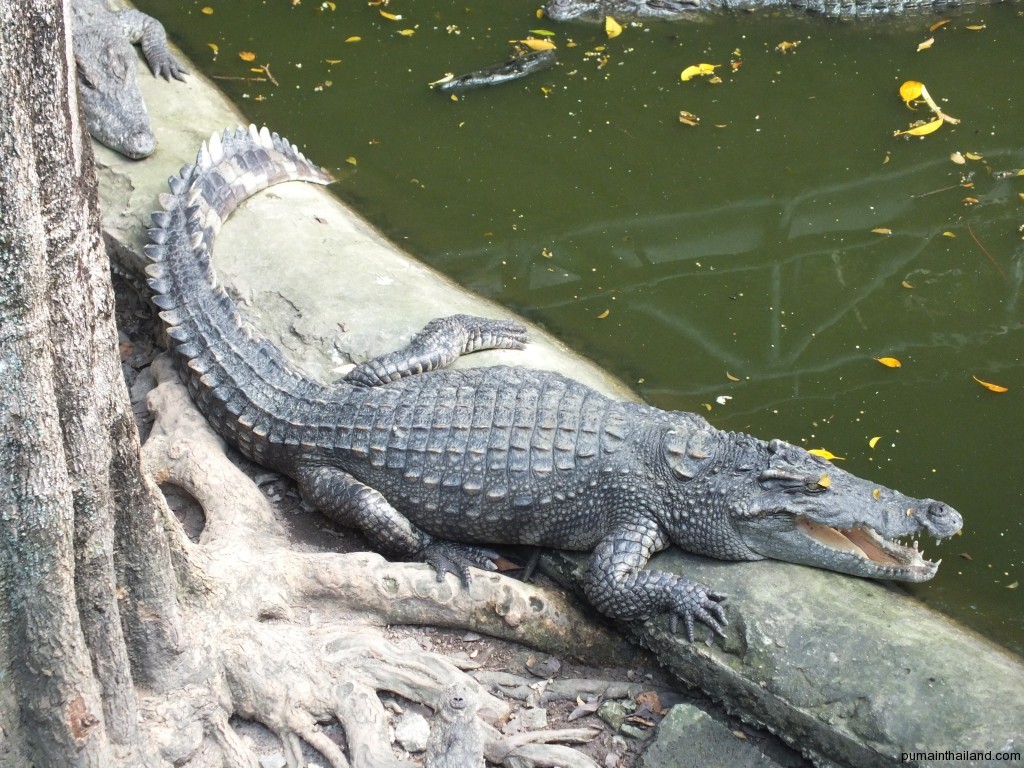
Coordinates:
(407, 32)
(877, 493)
(535, 44)
(730, 377)
(889, 362)
(542, 32)
(697, 70)
(906, 284)
(351, 160)
(926, 44)
(882, 231)
(390, 16)
(874, 441)
(1013, 585)
(922, 130)
(972, 156)
(911, 91)
(688, 118)
(786, 47)
(612, 28)
(938, 24)
(604, 314)
(353, 39)
(332, 61)
(824, 481)
(971, 201)
(826, 454)
(247, 56)
(214, 47)
(958, 158)
(947, 233)
(975, 27)
(332, 6)
(989, 386)
(207, 10)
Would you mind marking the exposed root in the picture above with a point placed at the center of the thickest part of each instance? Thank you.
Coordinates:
(294, 639)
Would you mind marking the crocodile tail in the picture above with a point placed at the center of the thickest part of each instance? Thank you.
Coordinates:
(240, 381)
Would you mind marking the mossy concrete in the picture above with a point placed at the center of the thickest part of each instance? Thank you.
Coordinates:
(848, 671)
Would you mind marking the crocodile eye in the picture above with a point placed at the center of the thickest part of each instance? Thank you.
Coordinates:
(814, 487)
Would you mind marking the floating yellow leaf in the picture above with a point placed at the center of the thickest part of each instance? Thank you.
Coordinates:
(958, 158)
(826, 454)
(906, 284)
(353, 39)
(247, 56)
(535, 44)
(947, 233)
(989, 386)
(938, 24)
(688, 118)
(207, 10)
(604, 314)
(730, 377)
(542, 32)
(1013, 585)
(332, 61)
(922, 130)
(882, 231)
(972, 156)
(912, 90)
(214, 47)
(971, 201)
(975, 27)
(390, 16)
(698, 70)
(874, 441)
(889, 362)
(332, 6)
(926, 44)
(407, 32)
(612, 28)
(351, 160)
(786, 47)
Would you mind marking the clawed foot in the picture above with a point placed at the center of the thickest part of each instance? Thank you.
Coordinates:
(448, 557)
(695, 601)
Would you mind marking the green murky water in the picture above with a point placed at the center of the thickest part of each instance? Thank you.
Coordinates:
(683, 258)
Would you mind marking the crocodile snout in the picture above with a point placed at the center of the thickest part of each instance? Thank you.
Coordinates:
(941, 520)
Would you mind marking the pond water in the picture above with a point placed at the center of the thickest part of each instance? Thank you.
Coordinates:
(730, 268)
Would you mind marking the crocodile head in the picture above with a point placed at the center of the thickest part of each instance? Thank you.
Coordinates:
(115, 112)
(596, 10)
(776, 500)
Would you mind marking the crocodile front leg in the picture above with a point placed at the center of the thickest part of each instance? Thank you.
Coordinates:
(353, 504)
(140, 28)
(439, 344)
(618, 586)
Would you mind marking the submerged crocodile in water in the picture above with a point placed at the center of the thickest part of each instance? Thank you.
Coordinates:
(516, 68)
(432, 463)
(597, 10)
(105, 59)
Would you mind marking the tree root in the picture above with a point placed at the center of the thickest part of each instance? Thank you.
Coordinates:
(294, 639)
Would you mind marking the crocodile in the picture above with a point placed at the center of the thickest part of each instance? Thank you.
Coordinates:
(597, 10)
(515, 68)
(105, 60)
(438, 464)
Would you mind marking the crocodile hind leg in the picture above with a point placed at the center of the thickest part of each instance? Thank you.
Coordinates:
(439, 344)
(353, 504)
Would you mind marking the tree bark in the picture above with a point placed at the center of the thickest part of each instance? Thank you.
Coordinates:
(61, 389)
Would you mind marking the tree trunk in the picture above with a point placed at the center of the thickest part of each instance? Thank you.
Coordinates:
(69, 448)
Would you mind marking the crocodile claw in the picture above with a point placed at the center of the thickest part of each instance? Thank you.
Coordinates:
(699, 602)
(448, 557)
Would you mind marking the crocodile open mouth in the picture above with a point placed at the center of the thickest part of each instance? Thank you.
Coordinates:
(865, 543)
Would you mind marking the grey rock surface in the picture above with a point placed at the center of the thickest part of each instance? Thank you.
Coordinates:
(689, 737)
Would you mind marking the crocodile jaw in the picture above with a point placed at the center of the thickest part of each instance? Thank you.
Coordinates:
(861, 551)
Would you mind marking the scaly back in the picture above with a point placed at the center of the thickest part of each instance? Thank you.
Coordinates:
(234, 375)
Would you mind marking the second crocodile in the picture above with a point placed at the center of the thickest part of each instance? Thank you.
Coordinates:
(432, 463)
(621, 10)
(105, 59)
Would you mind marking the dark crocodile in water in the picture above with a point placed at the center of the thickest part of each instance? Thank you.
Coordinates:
(514, 69)
(597, 10)
(105, 59)
(431, 463)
